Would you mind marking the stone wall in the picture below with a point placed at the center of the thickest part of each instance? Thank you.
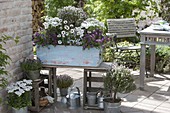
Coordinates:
(16, 20)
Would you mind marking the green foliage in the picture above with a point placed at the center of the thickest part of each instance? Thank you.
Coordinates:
(52, 6)
(165, 9)
(64, 81)
(163, 59)
(119, 79)
(4, 58)
(31, 65)
(19, 101)
(104, 9)
(108, 54)
(19, 94)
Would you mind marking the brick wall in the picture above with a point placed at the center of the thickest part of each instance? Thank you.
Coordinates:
(16, 20)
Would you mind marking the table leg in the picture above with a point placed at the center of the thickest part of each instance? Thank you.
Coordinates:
(142, 66)
(152, 63)
(90, 73)
(85, 87)
(55, 84)
(50, 82)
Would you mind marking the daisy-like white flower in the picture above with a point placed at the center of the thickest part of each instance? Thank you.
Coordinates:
(63, 32)
(72, 30)
(59, 42)
(65, 22)
(67, 34)
(59, 35)
(66, 27)
(46, 25)
(71, 25)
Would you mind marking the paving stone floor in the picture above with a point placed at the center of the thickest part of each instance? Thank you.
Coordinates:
(155, 98)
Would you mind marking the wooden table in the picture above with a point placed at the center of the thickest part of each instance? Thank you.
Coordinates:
(60, 56)
(53, 68)
(152, 38)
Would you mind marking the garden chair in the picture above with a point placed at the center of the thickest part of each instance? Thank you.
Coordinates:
(124, 30)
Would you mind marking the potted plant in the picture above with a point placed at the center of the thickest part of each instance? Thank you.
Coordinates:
(63, 83)
(118, 79)
(32, 68)
(19, 97)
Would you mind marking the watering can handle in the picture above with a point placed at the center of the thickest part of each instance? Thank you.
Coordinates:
(78, 90)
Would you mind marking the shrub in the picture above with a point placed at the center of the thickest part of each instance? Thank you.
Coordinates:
(64, 81)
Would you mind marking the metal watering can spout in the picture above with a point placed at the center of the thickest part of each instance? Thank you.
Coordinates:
(74, 98)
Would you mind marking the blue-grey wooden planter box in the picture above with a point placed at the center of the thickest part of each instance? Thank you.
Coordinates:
(69, 56)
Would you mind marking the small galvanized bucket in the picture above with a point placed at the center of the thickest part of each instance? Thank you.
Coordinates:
(73, 99)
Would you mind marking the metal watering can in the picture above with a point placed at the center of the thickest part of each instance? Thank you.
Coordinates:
(73, 98)
(100, 99)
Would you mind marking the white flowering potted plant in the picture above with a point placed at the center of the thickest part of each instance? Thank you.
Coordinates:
(83, 35)
(19, 95)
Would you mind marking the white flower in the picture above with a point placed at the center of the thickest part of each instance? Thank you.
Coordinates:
(65, 22)
(59, 35)
(60, 28)
(67, 34)
(29, 82)
(28, 88)
(11, 91)
(59, 42)
(54, 24)
(71, 25)
(71, 30)
(18, 93)
(66, 27)
(63, 32)
(46, 25)
(91, 22)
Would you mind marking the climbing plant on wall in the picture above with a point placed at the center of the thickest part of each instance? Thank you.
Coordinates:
(4, 60)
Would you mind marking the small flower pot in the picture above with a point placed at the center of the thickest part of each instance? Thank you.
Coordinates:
(21, 110)
(63, 92)
(33, 75)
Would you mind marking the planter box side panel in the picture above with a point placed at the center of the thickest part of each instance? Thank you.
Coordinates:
(69, 56)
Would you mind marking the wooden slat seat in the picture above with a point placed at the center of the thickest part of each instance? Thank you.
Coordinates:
(121, 30)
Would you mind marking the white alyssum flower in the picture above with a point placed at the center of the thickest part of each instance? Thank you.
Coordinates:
(59, 42)
(91, 22)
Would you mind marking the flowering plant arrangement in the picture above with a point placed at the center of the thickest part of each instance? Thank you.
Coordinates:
(63, 31)
(19, 94)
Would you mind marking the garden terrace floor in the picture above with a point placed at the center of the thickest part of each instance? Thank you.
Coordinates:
(155, 98)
